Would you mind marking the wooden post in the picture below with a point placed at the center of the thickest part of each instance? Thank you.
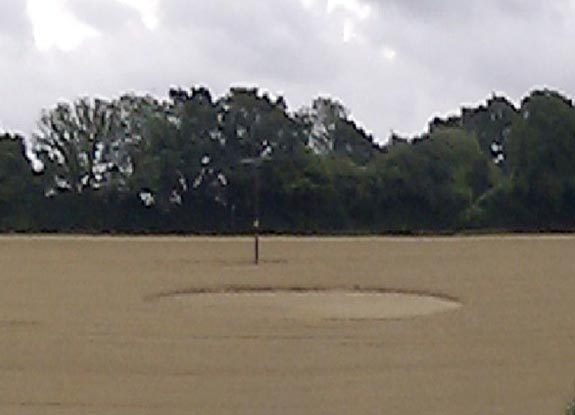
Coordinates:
(257, 214)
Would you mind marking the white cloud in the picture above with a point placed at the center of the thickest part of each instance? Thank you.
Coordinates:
(389, 53)
(350, 14)
(308, 4)
(55, 27)
(149, 10)
(357, 8)
(348, 31)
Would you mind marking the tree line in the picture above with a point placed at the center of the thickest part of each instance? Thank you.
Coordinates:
(187, 164)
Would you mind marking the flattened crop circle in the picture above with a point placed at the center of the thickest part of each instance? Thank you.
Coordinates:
(339, 304)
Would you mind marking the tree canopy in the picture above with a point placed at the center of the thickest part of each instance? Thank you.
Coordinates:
(188, 163)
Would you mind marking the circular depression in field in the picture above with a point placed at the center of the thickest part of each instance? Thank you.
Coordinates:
(339, 304)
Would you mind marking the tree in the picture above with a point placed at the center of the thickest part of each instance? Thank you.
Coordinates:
(255, 126)
(491, 124)
(331, 131)
(87, 145)
(18, 185)
(541, 154)
(430, 183)
(139, 164)
(178, 164)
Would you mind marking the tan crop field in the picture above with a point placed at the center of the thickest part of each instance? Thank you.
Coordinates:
(180, 326)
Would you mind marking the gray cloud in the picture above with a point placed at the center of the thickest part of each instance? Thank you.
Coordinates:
(267, 39)
(465, 11)
(449, 53)
(13, 20)
(469, 49)
(15, 43)
(106, 16)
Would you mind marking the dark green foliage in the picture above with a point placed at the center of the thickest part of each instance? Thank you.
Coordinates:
(539, 193)
(188, 164)
(541, 154)
(491, 124)
(430, 183)
(329, 130)
(20, 190)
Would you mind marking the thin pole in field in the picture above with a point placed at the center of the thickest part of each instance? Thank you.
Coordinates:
(257, 214)
(256, 163)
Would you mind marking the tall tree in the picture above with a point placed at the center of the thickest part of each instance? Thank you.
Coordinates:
(87, 145)
(542, 150)
(331, 131)
(490, 123)
(19, 188)
(430, 183)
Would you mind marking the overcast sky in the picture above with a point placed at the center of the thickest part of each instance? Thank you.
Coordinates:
(393, 63)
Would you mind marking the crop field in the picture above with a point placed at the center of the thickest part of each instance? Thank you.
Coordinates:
(392, 326)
